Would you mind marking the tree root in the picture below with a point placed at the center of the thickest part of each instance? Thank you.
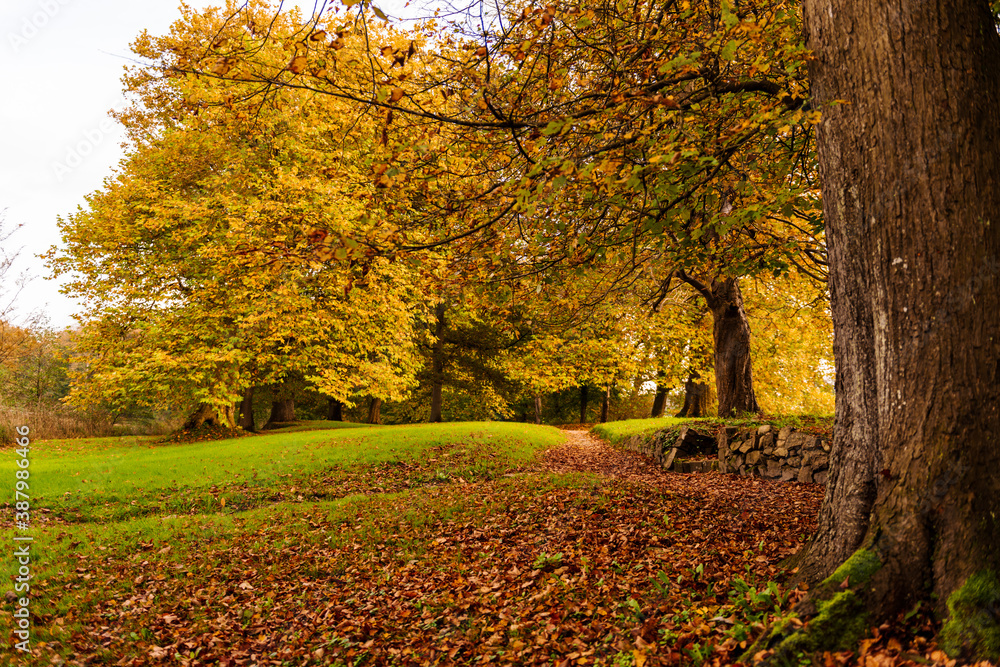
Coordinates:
(840, 621)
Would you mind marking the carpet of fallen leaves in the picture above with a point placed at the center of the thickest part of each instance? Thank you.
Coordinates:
(626, 565)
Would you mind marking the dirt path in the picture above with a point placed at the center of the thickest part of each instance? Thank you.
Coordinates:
(583, 452)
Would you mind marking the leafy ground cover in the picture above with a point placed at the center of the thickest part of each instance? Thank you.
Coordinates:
(584, 556)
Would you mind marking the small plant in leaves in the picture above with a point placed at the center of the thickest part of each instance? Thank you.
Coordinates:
(545, 561)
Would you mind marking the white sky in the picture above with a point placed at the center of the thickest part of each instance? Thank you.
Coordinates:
(60, 63)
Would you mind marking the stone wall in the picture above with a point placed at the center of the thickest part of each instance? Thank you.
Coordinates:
(765, 451)
(775, 454)
(670, 448)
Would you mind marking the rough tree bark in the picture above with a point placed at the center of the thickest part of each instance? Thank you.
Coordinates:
(910, 165)
(211, 415)
(375, 410)
(334, 410)
(437, 362)
(282, 410)
(695, 398)
(246, 412)
(731, 336)
(583, 404)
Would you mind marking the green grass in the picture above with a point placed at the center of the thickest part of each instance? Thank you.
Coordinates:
(349, 541)
(112, 479)
(160, 506)
(76, 568)
(317, 425)
(615, 432)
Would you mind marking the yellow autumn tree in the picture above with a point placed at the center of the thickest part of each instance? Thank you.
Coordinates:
(674, 134)
(232, 249)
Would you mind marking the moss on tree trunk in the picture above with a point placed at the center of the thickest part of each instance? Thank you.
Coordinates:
(838, 618)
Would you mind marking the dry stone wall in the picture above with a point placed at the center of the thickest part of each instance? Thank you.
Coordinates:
(782, 454)
(671, 448)
(765, 451)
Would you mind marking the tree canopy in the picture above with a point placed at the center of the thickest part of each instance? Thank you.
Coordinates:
(304, 193)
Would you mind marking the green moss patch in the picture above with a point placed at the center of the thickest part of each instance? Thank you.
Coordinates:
(841, 618)
(973, 626)
(857, 569)
(838, 626)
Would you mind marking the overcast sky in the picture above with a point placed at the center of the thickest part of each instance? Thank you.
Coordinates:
(61, 63)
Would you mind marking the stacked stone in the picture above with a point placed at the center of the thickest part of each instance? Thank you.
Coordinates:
(786, 454)
(665, 446)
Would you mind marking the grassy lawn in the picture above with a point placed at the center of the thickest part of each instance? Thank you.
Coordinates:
(112, 479)
(615, 432)
(390, 545)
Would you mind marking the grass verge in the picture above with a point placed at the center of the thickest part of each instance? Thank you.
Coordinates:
(113, 479)
(615, 432)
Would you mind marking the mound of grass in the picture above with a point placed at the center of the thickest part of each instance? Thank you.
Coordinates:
(316, 426)
(136, 477)
(615, 432)
(204, 433)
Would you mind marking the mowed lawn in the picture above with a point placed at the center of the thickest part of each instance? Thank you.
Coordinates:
(115, 478)
(408, 545)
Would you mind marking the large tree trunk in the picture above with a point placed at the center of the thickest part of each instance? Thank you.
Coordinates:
(538, 409)
(375, 410)
(282, 411)
(211, 415)
(695, 398)
(437, 362)
(246, 412)
(583, 404)
(731, 336)
(334, 410)
(606, 404)
(910, 163)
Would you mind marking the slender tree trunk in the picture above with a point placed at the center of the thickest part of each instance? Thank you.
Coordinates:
(246, 412)
(660, 399)
(583, 404)
(211, 415)
(334, 410)
(910, 162)
(437, 362)
(695, 398)
(538, 409)
(606, 404)
(731, 336)
(374, 410)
